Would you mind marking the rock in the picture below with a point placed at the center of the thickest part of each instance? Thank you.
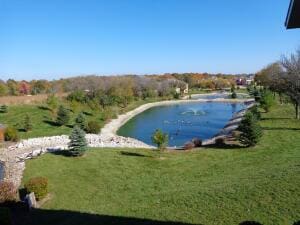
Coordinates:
(31, 200)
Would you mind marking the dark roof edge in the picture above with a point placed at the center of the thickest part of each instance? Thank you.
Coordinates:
(289, 13)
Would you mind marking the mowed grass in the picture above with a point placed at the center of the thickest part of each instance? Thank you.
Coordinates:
(207, 186)
(43, 121)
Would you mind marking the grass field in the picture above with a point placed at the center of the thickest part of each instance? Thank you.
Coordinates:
(43, 120)
(207, 186)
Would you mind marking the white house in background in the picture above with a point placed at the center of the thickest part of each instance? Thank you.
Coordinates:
(185, 91)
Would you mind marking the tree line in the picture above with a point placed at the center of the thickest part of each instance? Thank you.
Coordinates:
(283, 77)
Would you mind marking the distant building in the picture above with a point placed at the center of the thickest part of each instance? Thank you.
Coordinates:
(185, 91)
(293, 15)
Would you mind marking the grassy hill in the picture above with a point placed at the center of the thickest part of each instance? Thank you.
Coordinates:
(207, 186)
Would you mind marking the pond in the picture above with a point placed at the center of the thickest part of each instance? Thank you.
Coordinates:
(182, 122)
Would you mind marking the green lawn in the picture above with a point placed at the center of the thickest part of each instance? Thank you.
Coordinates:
(208, 186)
(42, 119)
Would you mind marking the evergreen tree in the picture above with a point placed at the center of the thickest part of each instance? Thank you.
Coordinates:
(251, 130)
(27, 123)
(77, 145)
(80, 121)
(63, 116)
(3, 109)
(160, 139)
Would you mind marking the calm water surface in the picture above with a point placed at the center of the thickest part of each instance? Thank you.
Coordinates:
(182, 121)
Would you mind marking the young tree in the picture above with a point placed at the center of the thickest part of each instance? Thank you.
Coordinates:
(291, 76)
(27, 123)
(160, 139)
(3, 109)
(77, 145)
(80, 121)
(63, 116)
(267, 100)
(52, 103)
(250, 130)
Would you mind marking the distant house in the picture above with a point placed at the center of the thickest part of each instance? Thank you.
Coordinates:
(185, 91)
(293, 15)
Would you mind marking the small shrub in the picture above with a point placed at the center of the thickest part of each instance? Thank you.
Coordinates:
(11, 134)
(27, 123)
(233, 95)
(160, 139)
(254, 110)
(188, 145)
(38, 185)
(197, 142)
(5, 216)
(266, 101)
(63, 116)
(250, 130)
(3, 109)
(77, 145)
(80, 121)
(220, 141)
(93, 127)
(8, 192)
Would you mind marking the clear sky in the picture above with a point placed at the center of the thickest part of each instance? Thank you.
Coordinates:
(59, 38)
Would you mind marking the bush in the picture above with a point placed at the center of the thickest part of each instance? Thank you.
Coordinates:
(197, 142)
(254, 110)
(93, 127)
(11, 134)
(267, 100)
(233, 95)
(38, 185)
(188, 145)
(27, 123)
(63, 116)
(77, 145)
(3, 109)
(80, 121)
(220, 141)
(5, 216)
(250, 130)
(160, 139)
(8, 192)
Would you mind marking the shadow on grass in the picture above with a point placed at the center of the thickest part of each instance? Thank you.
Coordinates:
(133, 154)
(226, 146)
(280, 128)
(250, 223)
(277, 118)
(22, 216)
(87, 113)
(44, 108)
(52, 123)
(64, 153)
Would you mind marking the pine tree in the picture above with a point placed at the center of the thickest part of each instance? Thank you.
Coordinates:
(77, 145)
(63, 116)
(251, 130)
(160, 139)
(3, 109)
(80, 121)
(27, 123)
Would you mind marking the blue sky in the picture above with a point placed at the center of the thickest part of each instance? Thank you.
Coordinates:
(59, 38)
